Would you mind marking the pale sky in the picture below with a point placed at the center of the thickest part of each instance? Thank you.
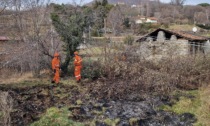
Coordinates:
(72, 1)
(188, 2)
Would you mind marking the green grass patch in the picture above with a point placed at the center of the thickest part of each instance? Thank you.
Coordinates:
(195, 102)
(186, 105)
(111, 122)
(189, 102)
(133, 121)
(71, 81)
(92, 51)
(206, 34)
(56, 117)
(186, 27)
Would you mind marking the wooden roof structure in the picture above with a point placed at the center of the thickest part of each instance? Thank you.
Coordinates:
(178, 34)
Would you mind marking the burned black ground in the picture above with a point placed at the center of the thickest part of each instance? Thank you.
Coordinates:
(31, 102)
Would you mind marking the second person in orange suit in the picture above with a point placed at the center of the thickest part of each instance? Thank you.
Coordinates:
(77, 66)
(56, 68)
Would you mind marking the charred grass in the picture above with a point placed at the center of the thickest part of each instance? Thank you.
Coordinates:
(29, 102)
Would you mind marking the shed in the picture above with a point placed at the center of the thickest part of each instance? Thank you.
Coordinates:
(169, 33)
(163, 43)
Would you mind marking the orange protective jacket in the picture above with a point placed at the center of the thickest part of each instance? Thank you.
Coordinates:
(77, 60)
(56, 68)
(78, 67)
(55, 63)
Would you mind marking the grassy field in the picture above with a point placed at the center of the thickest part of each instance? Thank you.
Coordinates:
(187, 28)
(56, 117)
(196, 102)
(181, 27)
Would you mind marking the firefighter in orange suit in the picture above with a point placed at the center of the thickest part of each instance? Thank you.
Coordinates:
(77, 66)
(56, 68)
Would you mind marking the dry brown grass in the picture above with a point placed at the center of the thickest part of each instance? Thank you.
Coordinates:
(6, 106)
(137, 77)
(181, 27)
(15, 77)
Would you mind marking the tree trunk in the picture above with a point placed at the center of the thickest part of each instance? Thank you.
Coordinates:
(64, 66)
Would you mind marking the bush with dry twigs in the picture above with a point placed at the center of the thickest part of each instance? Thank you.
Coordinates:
(140, 78)
(6, 106)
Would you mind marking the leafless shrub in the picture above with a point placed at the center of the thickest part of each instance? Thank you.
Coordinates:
(32, 41)
(6, 105)
(123, 78)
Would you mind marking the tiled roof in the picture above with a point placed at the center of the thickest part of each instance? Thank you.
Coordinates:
(181, 34)
(186, 35)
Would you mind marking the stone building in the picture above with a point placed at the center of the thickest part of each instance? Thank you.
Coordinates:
(167, 43)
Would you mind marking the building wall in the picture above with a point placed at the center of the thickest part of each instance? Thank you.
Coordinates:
(207, 47)
(151, 21)
(159, 50)
(138, 21)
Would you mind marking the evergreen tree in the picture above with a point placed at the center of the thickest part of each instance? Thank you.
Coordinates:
(70, 28)
(104, 3)
(101, 10)
(204, 4)
(126, 22)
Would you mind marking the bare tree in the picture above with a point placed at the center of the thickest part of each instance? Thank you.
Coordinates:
(148, 13)
(189, 12)
(33, 29)
(200, 17)
(115, 18)
(178, 2)
(77, 2)
(207, 15)
(2, 9)
(4, 4)
(166, 11)
(207, 12)
(6, 106)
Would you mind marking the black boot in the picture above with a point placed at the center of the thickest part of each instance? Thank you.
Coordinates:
(79, 81)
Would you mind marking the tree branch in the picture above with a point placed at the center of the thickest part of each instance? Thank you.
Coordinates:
(3, 9)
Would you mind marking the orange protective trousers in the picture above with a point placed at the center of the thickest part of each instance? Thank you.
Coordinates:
(78, 67)
(77, 72)
(56, 77)
(56, 67)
